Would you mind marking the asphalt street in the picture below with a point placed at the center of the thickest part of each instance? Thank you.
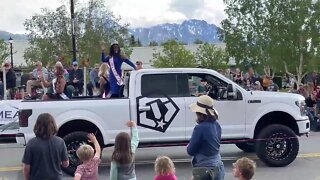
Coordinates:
(305, 167)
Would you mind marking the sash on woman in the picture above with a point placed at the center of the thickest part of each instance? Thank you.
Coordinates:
(117, 76)
(62, 95)
(115, 73)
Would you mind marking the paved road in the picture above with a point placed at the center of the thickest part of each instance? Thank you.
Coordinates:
(305, 167)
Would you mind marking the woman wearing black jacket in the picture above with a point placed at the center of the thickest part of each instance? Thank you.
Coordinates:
(10, 79)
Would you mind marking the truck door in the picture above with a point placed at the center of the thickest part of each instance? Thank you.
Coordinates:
(160, 107)
(231, 112)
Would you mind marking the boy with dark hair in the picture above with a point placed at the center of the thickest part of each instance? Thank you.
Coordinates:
(45, 153)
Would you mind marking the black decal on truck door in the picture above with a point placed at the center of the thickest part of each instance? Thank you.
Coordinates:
(156, 114)
(254, 101)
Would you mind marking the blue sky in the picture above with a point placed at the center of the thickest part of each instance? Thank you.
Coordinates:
(139, 13)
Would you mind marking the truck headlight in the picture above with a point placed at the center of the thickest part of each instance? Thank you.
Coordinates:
(302, 106)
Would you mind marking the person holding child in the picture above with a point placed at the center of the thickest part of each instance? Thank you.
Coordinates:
(88, 170)
(204, 144)
(244, 168)
(123, 163)
(164, 169)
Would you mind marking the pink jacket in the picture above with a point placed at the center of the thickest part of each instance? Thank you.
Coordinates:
(166, 177)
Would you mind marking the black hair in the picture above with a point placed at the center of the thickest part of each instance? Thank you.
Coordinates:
(112, 53)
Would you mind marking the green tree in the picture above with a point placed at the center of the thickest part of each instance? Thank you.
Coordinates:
(100, 27)
(138, 43)
(132, 41)
(277, 35)
(4, 51)
(211, 57)
(153, 43)
(49, 33)
(198, 41)
(173, 55)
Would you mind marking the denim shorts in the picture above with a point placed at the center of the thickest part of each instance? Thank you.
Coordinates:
(209, 173)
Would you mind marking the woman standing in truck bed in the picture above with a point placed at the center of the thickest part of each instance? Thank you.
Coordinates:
(115, 61)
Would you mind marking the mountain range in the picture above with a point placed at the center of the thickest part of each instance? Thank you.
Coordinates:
(6, 35)
(188, 32)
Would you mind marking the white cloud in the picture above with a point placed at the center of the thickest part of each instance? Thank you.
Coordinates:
(139, 13)
(14, 12)
(187, 7)
(213, 12)
(142, 13)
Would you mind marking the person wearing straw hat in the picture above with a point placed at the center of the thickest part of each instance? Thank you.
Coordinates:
(204, 145)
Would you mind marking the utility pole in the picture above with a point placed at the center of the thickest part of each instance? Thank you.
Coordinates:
(74, 47)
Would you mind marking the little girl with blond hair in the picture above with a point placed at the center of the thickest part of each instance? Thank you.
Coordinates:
(164, 169)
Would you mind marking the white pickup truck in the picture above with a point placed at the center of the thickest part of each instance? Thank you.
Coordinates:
(268, 123)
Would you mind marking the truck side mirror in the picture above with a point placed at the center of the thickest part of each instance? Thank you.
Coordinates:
(231, 92)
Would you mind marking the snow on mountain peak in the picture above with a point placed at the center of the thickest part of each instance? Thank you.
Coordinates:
(188, 31)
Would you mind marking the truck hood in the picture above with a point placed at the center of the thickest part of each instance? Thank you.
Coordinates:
(276, 95)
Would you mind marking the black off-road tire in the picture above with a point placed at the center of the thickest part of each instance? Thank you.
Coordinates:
(246, 146)
(73, 141)
(277, 145)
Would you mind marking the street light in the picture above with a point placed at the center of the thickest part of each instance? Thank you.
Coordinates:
(74, 47)
(11, 41)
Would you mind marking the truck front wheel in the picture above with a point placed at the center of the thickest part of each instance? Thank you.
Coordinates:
(277, 145)
(73, 141)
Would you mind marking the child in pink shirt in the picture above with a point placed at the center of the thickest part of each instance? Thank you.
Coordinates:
(164, 169)
(88, 170)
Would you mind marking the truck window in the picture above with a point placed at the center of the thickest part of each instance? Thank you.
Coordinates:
(200, 84)
(158, 85)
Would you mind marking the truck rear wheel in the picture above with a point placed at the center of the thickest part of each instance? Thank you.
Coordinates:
(277, 145)
(73, 141)
(246, 146)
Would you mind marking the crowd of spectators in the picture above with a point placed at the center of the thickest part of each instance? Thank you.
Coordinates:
(250, 80)
(308, 88)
